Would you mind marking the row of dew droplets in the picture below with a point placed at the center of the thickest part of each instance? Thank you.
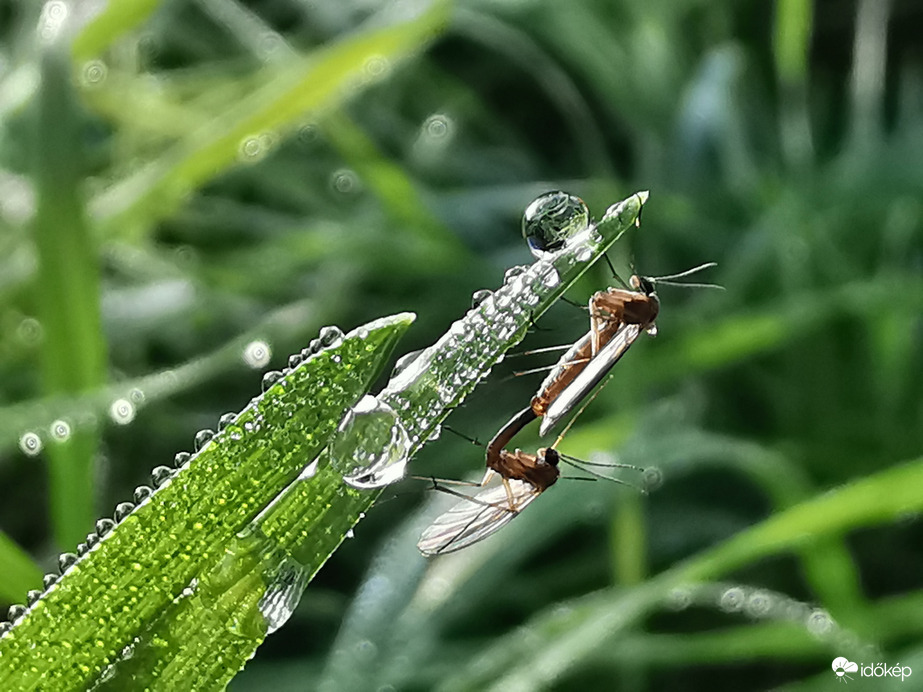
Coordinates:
(763, 604)
(123, 411)
(549, 223)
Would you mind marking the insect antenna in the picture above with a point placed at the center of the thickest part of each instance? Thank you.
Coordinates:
(472, 440)
(546, 349)
(669, 278)
(582, 465)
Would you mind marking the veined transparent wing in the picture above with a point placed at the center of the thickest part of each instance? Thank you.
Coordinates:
(474, 519)
(590, 376)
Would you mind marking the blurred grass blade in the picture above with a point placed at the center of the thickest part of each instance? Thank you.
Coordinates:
(143, 564)
(19, 572)
(290, 323)
(73, 349)
(569, 636)
(115, 19)
(289, 96)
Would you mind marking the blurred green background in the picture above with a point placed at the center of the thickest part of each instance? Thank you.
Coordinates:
(183, 184)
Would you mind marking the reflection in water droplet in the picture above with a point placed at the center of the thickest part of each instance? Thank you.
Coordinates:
(283, 593)
(122, 411)
(181, 458)
(30, 443)
(551, 219)
(257, 354)
(583, 253)
(371, 446)
(60, 430)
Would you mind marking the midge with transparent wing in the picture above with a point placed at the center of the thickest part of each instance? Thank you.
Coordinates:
(618, 316)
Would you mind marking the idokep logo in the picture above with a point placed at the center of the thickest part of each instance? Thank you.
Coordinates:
(842, 668)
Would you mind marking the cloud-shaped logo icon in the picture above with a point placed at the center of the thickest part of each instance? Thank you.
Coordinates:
(842, 666)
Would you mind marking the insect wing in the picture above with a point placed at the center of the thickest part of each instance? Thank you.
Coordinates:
(568, 360)
(590, 376)
(475, 518)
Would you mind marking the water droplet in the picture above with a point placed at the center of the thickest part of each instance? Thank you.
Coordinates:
(295, 360)
(105, 525)
(15, 612)
(60, 431)
(181, 458)
(404, 362)
(330, 336)
(819, 623)
(52, 19)
(651, 478)
(141, 493)
(371, 445)
(551, 278)
(308, 134)
(49, 580)
(65, 560)
(122, 510)
(5, 627)
(583, 253)
(202, 438)
(438, 127)
(226, 420)
(732, 600)
(122, 411)
(270, 378)
(92, 539)
(30, 331)
(345, 181)
(513, 272)
(377, 67)
(32, 596)
(94, 73)
(30, 443)
(257, 354)
(551, 219)
(160, 475)
(760, 604)
(82, 549)
(283, 593)
(255, 147)
(434, 435)
(350, 534)
(479, 297)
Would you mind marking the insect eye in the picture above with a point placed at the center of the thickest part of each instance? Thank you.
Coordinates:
(551, 219)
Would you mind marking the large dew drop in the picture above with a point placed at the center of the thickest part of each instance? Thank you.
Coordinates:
(550, 220)
(283, 593)
(371, 446)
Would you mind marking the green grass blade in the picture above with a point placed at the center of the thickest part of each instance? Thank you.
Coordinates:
(80, 625)
(73, 350)
(19, 573)
(521, 664)
(117, 18)
(285, 100)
